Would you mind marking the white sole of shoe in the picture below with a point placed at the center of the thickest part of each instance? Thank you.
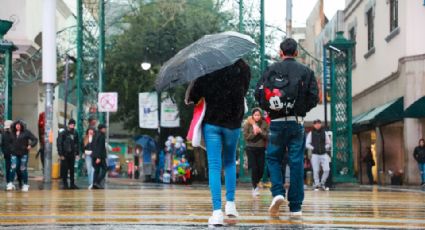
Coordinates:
(274, 209)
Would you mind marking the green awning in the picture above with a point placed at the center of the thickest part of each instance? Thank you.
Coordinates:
(387, 113)
(417, 109)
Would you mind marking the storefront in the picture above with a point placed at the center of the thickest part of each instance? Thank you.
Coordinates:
(380, 129)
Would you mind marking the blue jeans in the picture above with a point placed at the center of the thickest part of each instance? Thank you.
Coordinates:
(90, 169)
(19, 163)
(287, 136)
(220, 140)
(422, 170)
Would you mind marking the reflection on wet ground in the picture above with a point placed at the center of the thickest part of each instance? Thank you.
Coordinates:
(130, 205)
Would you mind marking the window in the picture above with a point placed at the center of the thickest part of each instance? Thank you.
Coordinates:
(370, 28)
(393, 14)
(352, 36)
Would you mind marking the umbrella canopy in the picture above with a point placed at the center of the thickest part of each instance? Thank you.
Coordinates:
(148, 143)
(206, 55)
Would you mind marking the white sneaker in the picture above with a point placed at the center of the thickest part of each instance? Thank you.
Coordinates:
(230, 209)
(10, 186)
(25, 188)
(90, 187)
(255, 192)
(217, 219)
(296, 214)
(276, 203)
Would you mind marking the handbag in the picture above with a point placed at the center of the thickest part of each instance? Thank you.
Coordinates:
(195, 130)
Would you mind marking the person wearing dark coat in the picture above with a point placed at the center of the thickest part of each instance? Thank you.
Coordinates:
(68, 150)
(286, 127)
(368, 160)
(419, 155)
(99, 157)
(224, 91)
(6, 148)
(21, 142)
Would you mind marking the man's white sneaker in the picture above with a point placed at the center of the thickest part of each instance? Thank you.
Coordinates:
(25, 188)
(90, 187)
(217, 219)
(230, 209)
(10, 186)
(276, 203)
(296, 214)
(255, 192)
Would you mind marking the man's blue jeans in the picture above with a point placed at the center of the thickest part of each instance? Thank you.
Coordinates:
(422, 171)
(287, 137)
(221, 141)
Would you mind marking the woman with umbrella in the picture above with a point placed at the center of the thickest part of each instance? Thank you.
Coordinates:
(224, 91)
(221, 78)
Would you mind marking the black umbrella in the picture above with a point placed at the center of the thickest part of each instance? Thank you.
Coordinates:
(206, 55)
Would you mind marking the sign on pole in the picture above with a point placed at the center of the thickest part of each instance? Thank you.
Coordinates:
(108, 102)
(169, 113)
(148, 110)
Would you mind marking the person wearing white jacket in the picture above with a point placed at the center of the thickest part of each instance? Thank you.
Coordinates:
(318, 142)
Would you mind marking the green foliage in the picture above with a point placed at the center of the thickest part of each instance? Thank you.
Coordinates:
(155, 33)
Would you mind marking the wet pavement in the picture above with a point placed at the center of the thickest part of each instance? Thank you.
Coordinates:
(126, 204)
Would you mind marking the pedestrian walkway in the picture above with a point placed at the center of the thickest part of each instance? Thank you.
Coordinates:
(154, 206)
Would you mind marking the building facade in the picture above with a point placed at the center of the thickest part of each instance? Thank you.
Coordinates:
(388, 78)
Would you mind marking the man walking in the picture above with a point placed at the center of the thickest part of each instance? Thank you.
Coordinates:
(287, 90)
(68, 149)
(318, 142)
(99, 157)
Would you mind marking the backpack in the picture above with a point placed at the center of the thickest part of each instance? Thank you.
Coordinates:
(279, 91)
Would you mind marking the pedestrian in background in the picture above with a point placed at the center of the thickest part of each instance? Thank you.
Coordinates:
(22, 141)
(419, 155)
(68, 150)
(137, 153)
(88, 154)
(6, 148)
(368, 160)
(99, 157)
(255, 132)
(224, 91)
(40, 153)
(318, 142)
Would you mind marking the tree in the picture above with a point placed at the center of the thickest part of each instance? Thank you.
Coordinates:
(155, 32)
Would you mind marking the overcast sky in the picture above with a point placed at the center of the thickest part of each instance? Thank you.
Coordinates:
(276, 11)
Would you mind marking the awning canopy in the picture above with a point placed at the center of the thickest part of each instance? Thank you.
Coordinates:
(387, 113)
(416, 109)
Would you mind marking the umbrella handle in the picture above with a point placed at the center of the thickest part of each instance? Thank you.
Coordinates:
(187, 94)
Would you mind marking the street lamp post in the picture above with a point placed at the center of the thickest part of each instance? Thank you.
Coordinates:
(49, 79)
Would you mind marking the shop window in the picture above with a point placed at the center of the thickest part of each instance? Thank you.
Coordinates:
(393, 14)
(370, 29)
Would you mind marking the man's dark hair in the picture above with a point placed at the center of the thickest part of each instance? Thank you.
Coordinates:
(288, 47)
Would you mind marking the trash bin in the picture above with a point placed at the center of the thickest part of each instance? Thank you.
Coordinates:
(56, 170)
